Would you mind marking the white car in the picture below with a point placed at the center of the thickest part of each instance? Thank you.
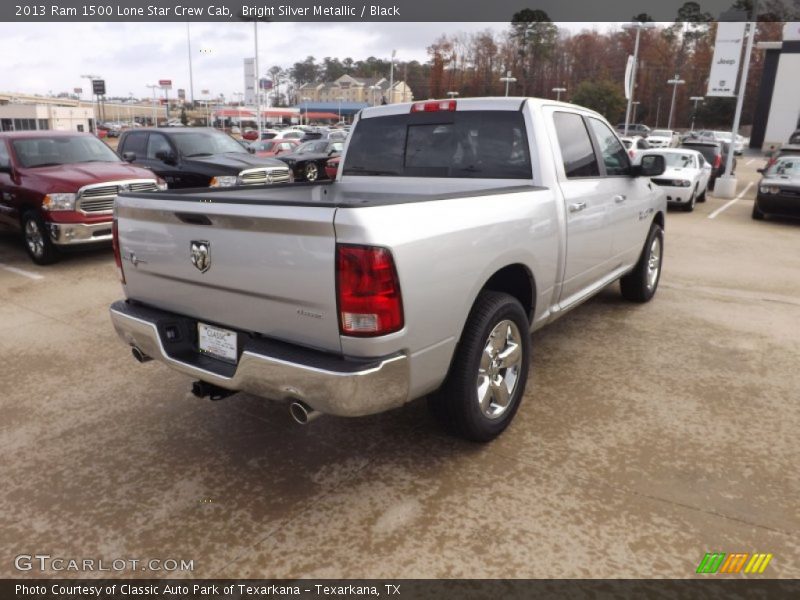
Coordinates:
(662, 138)
(685, 180)
(634, 144)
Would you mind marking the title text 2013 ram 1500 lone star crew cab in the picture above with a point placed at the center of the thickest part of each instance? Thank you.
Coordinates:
(453, 229)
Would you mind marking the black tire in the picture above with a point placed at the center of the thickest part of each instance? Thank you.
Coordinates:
(757, 214)
(37, 240)
(702, 197)
(457, 405)
(639, 285)
(311, 172)
(689, 206)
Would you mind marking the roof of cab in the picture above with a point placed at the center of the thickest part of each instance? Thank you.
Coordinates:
(489, 103)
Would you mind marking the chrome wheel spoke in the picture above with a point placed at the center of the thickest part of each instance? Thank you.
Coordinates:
(510, 356)
(500, 392)
(484, 392)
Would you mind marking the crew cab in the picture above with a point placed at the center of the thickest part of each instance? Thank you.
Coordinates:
(453, 230)
(188, 157)
(58, 189)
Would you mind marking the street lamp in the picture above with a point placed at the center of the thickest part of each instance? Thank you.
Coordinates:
(508, 79)
(638, 26)
(674, 82)
(154, 87)
(452, 94)
(91, 79)
(559, 91)
(391, 81)
(695, 99)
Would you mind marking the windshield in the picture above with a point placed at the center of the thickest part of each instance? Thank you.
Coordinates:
(206, 143)
(678, 161)
(62, 150)
(661, 133)
(785, 167)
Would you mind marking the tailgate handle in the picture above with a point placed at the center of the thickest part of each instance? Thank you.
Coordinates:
(193, 219)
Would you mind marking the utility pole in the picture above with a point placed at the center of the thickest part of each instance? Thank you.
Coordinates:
(674, 82)
(391, 80)
(508, 79)
(695, 99)
(638, 25)
(191, 79)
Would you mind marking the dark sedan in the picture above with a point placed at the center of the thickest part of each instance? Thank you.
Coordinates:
(779, 189)
(715, 153)
(308, 161)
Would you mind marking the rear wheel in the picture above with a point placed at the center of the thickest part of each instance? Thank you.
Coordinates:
(641, 283)
(490, 368)
(311, 172)
(702, 197)
(37, 241)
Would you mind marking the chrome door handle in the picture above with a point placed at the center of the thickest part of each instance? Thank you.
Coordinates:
(620, 198)
(577, 207)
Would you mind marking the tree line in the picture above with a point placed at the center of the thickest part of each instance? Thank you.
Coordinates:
(589, 64)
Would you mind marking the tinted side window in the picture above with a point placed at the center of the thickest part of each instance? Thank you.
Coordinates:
(157, 143)
(576, 146)
(614, 156)
(135, 142)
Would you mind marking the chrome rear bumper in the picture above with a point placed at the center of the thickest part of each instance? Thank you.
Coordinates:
(276, 370)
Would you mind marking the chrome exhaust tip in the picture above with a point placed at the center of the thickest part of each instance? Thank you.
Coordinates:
(303, 413)
(139, 355)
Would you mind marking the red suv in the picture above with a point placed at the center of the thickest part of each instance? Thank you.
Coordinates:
(58, 189)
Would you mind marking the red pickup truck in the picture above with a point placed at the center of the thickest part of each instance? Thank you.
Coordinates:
(58, 189)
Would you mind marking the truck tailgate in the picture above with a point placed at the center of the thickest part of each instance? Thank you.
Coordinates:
(270, 268)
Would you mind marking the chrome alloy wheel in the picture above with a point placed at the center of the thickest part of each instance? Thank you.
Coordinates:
(654, 262)
(33, 237)
(499, 369)
(312, 172)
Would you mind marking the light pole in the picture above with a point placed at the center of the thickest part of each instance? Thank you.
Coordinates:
(559, 91)
(695, 99)
(257, 82)
(391, 80)
(638, 26)
(305, 100)
(339, 98)
(658, 110)
(452, 94)
(91, 79)
(674, 82)
(191, 79)
(508, 79)
(154, 87)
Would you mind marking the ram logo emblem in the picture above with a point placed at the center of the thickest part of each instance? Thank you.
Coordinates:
(200, 254)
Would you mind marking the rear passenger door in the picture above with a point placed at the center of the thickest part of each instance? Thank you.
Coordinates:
(589, 207)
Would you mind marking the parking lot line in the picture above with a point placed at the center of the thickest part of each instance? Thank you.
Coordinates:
(22, 272)
(730, 203)
(750, 162)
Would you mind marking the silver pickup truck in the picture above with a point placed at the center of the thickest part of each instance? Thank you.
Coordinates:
(454, 229)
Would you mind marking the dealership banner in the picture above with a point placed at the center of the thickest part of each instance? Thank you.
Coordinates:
(727, 59)
(446, 11)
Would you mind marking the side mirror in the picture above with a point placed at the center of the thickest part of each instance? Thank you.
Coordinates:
(652, 165)
(129, 156)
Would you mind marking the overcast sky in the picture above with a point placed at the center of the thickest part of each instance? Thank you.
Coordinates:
(44, 57)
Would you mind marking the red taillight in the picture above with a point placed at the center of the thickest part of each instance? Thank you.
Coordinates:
(370, 303)
(717, 161)
(117, 251)
(434, 106)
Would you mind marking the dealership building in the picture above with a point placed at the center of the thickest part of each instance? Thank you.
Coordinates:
(28, 117)
(777, 112)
